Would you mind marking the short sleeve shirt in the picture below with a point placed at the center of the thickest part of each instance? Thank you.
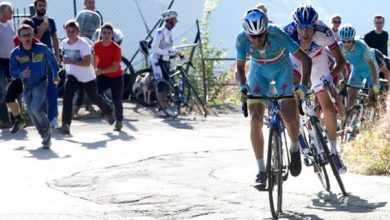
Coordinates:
(105, 56)
(46, 37)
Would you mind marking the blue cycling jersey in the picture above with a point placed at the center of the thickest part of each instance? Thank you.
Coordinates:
(277, 47)
(358, 57)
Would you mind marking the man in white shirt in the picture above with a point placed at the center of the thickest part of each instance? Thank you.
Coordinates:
(7, 34)
(80, 73)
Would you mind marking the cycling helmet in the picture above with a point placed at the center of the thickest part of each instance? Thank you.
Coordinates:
(255, 22)
(305, 15)
(347, 32)
(168, 14)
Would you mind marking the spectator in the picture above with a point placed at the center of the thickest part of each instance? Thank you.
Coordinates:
(335, 21)
(90, 5)
(263, 8)
(108, 57)
(378, 38)
(33, 71)
(46, 31)
(80, 73)
(7, 33)
(15, 88)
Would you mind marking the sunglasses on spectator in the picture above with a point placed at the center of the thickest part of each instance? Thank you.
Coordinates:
(379, 22)
(336, 21)
(253, 36)
(347, 41)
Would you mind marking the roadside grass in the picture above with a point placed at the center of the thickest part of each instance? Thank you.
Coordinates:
(369, 153)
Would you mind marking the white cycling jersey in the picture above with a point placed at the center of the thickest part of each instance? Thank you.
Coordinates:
(162, 48)
(323, 39)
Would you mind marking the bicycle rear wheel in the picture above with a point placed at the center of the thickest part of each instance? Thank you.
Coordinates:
(194, 100)
(142, 89)
(274, 172)
(168, 99)
(330, 155)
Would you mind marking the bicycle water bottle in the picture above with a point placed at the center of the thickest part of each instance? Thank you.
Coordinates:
(304, 148)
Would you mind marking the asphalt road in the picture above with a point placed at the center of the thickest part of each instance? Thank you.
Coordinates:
(164, 169)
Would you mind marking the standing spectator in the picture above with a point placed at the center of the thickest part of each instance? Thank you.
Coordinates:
(263, 8)
(46, 31)
(108, 57)
(30, 61)
(15, 88)
(90, 5)
(335, 25)
(378, 38)
(7, 33)
(80, 73)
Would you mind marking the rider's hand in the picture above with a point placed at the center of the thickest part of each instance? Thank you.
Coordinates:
(328, 78)
(244, 92)
(375, 88)
(342, 84)
(301, 91)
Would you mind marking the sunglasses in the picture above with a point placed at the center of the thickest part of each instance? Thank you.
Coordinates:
(379, 22)
(347, 41)
(305, 26)
(257, 35)
(336, 21)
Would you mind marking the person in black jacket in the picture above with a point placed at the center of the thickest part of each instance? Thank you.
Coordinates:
(378, 38)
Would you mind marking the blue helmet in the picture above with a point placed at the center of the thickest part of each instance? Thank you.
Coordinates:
(305, 15)
(255, 22)
(347, 32)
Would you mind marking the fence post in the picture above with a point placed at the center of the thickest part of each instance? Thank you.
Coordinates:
(203, 63)
(74, 8)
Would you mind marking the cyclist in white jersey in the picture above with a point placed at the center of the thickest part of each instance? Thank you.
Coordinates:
(314, 37)
(162, 49)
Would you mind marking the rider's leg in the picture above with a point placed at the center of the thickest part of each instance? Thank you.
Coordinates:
(352, 94)
(329, 118)
(289, 114)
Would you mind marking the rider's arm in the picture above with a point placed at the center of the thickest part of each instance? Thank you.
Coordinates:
(306, 65)
(340, 60)
(373, 71)
(241, 72)
(385, 71)
(56, 46)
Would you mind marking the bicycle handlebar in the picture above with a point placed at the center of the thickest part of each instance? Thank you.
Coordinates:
(244, 106)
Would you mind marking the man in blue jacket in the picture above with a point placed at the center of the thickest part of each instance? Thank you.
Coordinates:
(30, 62)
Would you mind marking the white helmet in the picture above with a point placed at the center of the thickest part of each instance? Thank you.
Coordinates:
(255, 22)
(168, 14)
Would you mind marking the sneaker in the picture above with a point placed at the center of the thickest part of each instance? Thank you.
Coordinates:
(46, 144)
(261, 179)
(5, 125)
(306, 160)
(339, 164)
(170, 112)
(76, 110)
(64, 129)
(19, 123)
(110, 118)
(161, 114)
(118, 126)
(295, 166)
(54, 123)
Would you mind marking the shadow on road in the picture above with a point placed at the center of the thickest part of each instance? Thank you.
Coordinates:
(42, 154)
(329, 201)
(103, 143)
(7, 136)
(179, 123)
(297, 215)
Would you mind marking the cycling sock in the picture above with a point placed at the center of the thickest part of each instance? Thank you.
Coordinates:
(294, 147)
(260, 164)
(19, 117)
(333, 146)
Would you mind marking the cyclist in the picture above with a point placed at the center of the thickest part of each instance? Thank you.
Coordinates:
(360, 56)
(162, 49)
(381, 62)
(269, 47)
(314, 36)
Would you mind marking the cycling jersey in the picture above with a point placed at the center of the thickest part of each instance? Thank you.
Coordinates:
(323, 38)
(358, 56)
(270, 64)
(379, 58)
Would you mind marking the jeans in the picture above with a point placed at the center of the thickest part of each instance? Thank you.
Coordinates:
(35, 98)
(116, 87)
(4, 116)
(71, 86)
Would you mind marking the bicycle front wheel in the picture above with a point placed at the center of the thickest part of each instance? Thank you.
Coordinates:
(330, 156)
(274, 172)
(168, 98)
(351, 124)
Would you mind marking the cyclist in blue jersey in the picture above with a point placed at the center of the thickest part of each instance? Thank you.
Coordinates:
(381, 62)
(269, 48)
(360, 56)
(314, 36)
